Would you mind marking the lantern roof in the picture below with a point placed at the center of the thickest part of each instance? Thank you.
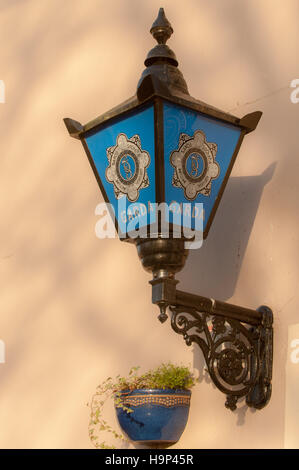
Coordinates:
(162, 79)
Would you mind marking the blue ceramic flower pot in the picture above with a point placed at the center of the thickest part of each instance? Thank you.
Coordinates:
(159, 416)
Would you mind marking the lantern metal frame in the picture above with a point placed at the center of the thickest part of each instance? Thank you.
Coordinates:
(237, 342)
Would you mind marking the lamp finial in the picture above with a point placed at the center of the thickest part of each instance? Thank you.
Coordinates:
(161, 28)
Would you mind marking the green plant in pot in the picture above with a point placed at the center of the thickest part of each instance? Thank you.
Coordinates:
(152, 408)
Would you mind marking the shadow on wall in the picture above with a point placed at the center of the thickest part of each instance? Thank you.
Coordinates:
(213, 270)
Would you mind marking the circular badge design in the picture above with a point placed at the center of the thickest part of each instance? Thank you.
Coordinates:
(127, 167)
(194, 165)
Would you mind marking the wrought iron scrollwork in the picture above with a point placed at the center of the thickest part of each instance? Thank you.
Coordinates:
(237, 342)
(238, 356)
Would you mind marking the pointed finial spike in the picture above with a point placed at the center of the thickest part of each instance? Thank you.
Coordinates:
(161, 28)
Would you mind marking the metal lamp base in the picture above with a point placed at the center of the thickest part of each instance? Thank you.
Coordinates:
(164, 257)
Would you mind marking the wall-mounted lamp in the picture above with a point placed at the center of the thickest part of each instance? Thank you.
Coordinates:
(163, 146)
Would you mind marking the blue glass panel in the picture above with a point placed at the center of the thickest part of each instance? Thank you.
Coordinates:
(197, 152)
(124, 156)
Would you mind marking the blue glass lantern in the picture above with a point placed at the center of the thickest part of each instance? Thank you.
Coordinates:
(162, 160)
(162, 146)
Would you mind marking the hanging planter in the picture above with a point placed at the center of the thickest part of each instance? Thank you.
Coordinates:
(158, 417)
(152, 409)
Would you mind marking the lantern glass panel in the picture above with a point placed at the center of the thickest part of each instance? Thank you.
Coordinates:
(198, 151)
(122, 154)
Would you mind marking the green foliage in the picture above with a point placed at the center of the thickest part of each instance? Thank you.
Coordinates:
(165, 376)
(169, 376)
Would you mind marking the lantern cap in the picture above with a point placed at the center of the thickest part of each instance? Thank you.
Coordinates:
(161, 74)
(162, 78)
(161, 30)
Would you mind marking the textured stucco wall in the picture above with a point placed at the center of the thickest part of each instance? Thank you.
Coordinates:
(76, 309)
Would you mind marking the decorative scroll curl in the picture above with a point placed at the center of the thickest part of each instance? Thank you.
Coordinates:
(235, 354)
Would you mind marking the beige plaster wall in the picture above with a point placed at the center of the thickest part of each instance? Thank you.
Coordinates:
(75, 309)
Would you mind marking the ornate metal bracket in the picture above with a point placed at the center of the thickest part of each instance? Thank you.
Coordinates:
(237, 343)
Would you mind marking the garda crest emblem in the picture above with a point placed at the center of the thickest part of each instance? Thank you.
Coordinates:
(127, 167)
(194, 165)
